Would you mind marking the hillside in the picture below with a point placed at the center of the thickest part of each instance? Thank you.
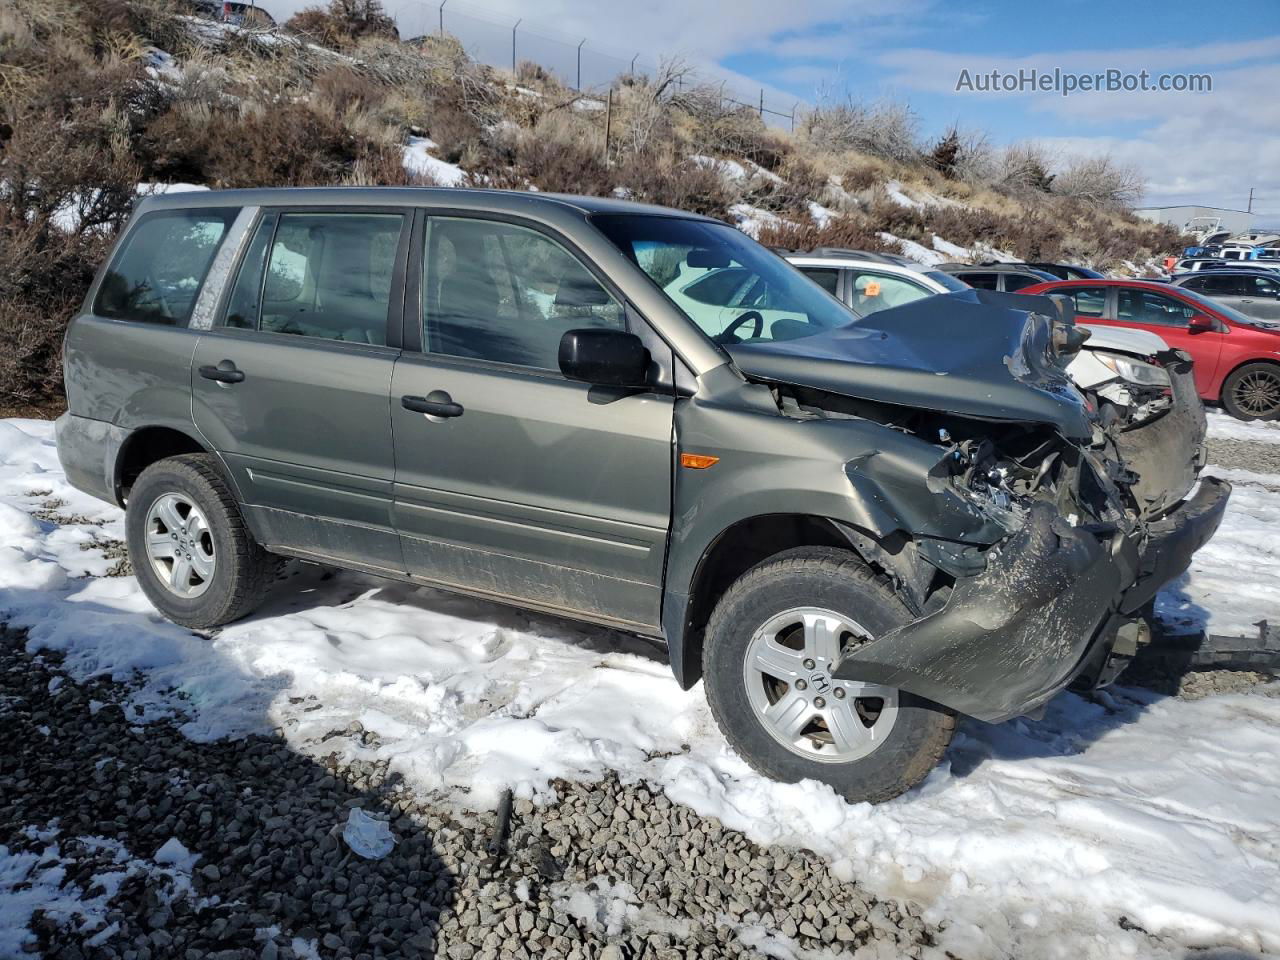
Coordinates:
(105, 99)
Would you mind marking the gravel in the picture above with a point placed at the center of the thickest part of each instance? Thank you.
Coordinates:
(1245, 455)
(611, 870)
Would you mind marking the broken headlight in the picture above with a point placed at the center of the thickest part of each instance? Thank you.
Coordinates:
(1134, 371)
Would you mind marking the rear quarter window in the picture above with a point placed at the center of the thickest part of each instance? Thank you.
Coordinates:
(158, 271)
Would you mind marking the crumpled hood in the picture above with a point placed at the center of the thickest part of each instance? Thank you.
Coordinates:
(971, 353)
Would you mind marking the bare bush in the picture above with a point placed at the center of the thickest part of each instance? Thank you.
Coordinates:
(887, 128)
(675, 182)
(1102, 180)
(1025, 166)
(852, 232)
(343, 22)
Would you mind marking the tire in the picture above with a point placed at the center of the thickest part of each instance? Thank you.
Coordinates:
(1253, 392)
(832, 589)
(186, 499)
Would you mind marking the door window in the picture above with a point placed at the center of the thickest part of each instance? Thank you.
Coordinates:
(495, 291)
(827, 279)
(1143, 306)
(1263, 287)
(1016, 281)
(874, 291)
(156, 276)
(324, 275)
(982, 281)
(1089, 301)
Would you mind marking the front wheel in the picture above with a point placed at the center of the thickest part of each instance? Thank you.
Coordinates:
(1253, 392)
(771, 644)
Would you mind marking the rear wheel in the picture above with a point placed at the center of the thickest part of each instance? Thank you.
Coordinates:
(1253, 392)
(771, 644)
(193, 555)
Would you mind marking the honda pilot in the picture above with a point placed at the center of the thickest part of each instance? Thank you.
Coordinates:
(852, 530)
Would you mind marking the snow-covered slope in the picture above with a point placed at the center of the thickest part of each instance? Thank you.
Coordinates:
(1033, 839)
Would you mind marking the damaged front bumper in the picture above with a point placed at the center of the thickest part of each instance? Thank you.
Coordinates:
(1168, 451)
(1046, 608)
(1173, 540)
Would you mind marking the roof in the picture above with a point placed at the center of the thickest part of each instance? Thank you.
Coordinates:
(472, 198)
(844, 253)
(988, 268)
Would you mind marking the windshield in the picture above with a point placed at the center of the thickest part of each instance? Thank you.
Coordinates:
(735, 290)
(953, 284)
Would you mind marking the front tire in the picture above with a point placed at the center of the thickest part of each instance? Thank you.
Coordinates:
(194, 557)
(1253, 392)
(770, 645)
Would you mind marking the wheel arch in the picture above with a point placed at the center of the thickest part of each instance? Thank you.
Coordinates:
(145, 446)
(743, 545)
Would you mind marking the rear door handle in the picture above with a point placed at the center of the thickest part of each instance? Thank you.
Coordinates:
(224, 372)
(436, 404)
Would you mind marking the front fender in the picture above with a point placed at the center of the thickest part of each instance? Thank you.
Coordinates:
(855, 472)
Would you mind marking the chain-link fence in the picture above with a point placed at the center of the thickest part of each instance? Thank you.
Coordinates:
(577, 63)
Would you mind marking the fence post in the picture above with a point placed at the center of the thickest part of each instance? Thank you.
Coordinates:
(442, 3)
(633, 65)
(513, 45)
(762, 103)
(608, 122)
(793, 117)
(579, 86)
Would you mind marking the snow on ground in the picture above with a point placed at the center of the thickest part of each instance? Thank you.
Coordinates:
(418, 160)
(751, 219)
(1214, 595)
(34, 879)
(914, 251)
(1223, 426)
(1032, 839)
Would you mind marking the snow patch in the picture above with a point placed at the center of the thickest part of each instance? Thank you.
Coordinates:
(417, 160)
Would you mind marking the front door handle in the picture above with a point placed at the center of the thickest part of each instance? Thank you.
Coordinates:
(435, 404)
(224, 372)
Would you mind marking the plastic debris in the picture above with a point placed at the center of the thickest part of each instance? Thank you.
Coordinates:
(366, 836)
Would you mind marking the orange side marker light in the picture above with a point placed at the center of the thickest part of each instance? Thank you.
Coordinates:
(697, 461)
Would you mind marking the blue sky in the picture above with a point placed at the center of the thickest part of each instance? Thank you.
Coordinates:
(1192, 147)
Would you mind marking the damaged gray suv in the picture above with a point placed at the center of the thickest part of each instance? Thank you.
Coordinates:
(851, 530)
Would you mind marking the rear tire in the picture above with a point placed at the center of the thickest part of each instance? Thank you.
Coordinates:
(191, 551)
(1253, 392)
(869, 743)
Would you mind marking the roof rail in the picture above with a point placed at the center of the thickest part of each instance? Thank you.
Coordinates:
(892, 258)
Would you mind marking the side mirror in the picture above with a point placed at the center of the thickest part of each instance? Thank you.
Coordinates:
(1202, 323)
(605, 358)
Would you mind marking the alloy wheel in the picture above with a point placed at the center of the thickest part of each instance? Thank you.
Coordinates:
(1258, 393)
(789, 685)
(180, 545)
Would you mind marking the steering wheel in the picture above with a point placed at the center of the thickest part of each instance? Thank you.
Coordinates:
(729, 334)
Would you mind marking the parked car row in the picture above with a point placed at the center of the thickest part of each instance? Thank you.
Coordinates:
(854, 508)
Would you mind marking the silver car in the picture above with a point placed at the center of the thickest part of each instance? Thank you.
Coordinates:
(1252, 293)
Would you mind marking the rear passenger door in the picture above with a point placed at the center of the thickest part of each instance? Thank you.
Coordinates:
(292, 386)
(510, 479)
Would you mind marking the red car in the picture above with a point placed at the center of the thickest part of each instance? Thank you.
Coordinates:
(1237, 358)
